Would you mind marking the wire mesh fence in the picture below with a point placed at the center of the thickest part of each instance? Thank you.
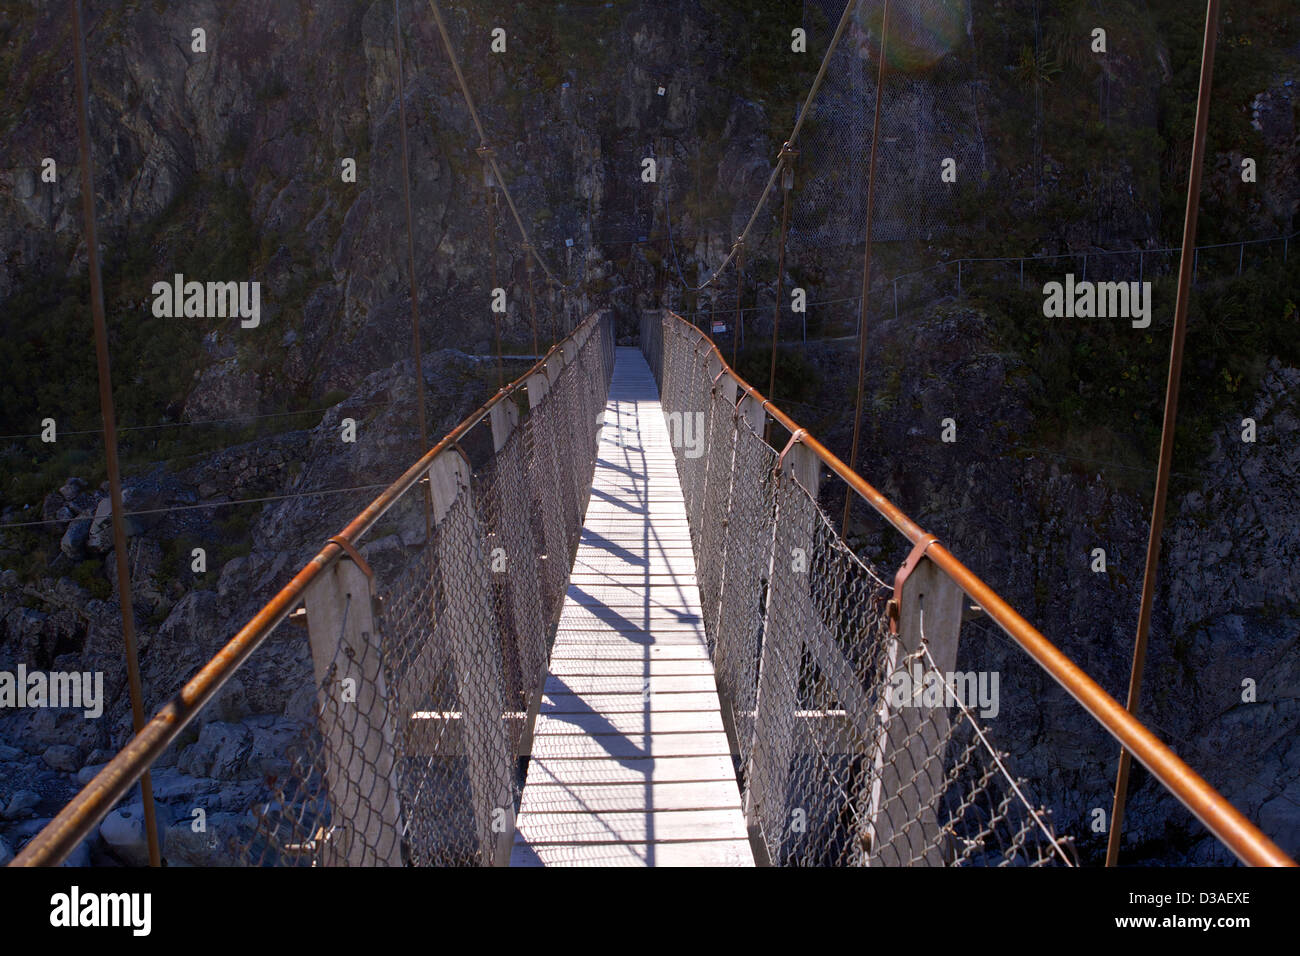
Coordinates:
(424, 676)
(854, 747)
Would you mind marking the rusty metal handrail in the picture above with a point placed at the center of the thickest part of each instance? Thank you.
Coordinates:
(75, 821)
(1219, 816)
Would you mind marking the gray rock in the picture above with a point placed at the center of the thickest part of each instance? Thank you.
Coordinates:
(72, 487)
(221, 751)
(172, 786)
(21, 804)
(100, 536)
(124, 832)
(87, 773)
(134, 499)
(234, 580)
(62, 757)
(75, 539)
(6, 854)
(24, 831)
(8, 753)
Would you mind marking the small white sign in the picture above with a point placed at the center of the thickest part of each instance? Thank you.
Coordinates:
(662, 91)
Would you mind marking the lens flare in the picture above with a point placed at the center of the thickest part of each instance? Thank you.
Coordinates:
(920, 33)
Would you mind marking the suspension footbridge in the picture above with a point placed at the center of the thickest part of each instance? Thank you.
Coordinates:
(620, 628)
(620, 647)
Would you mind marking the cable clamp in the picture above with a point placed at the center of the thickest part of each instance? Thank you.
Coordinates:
(351, 551)
(900, 578)
(796, 436)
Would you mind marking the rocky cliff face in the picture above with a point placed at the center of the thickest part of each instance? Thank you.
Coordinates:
(227, 165)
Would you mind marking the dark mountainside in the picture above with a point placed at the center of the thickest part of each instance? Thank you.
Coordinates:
(225, 165)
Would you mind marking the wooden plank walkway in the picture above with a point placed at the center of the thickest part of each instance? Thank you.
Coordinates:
(630, 765)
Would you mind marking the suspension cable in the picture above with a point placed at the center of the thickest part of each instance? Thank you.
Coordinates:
(417, 352)
(124, 590)
(786, 164)
(789, 142)
(483, 141)
(1168, 426)
(866, 267)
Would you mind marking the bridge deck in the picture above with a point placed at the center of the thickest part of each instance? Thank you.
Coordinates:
(630, 764)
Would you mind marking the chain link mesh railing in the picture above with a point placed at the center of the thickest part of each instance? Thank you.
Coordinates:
(423, 703)
(838, 765)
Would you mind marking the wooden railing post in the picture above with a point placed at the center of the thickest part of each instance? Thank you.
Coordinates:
(902, 824)
(773, 751)
(528, 626)
(360, 771)
(474, 649)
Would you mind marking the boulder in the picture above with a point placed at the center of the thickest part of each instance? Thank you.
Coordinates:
(221, 751)
(71, 488)
(87, 773)
(100, 536)
(21, 804)
(133, 500)
(62, 757)
(124, 833)
(76, 539)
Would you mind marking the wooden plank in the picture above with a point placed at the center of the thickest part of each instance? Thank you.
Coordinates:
(630, 827)
(582, 637)
(637, 592)
(630, 746)
(711, 853)
(644, 771)
(568, 668)
(627, 564)
(597, 798)
(638, 541)
(634, 539)
(593, 543)
(668, 597)
(631, 577)
(573, 628)
(601, 724)
(594, 653)
(656, 623)
(587, 684)
(626, 703)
